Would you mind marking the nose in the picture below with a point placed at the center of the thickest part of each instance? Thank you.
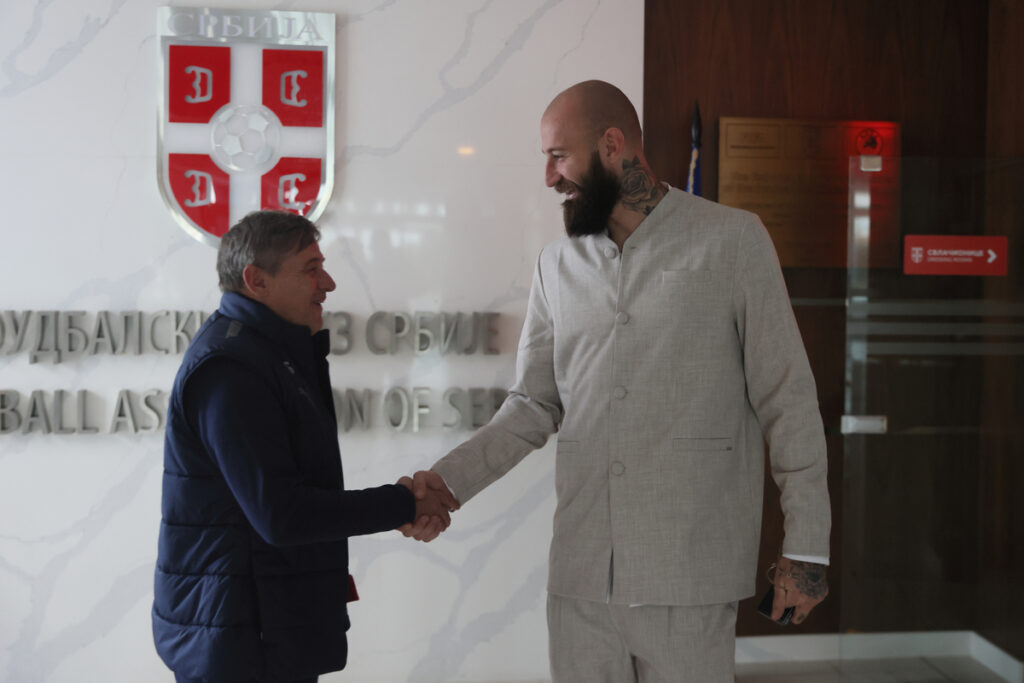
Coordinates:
(551, 176)
(327, 282)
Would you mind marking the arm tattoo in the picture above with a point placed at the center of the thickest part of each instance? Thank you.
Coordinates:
(639, 192)
(809, 578)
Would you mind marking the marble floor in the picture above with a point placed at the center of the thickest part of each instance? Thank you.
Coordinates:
(912, 670)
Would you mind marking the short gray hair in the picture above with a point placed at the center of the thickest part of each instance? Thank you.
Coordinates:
(263, 239)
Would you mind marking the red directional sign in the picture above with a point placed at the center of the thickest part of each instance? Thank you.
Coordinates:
(954, 255)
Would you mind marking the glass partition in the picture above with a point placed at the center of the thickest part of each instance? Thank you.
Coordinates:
(932, 528)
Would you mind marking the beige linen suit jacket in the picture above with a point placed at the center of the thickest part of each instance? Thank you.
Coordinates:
(663, 369)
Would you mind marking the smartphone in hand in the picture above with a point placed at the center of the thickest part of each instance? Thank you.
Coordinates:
(765, 608)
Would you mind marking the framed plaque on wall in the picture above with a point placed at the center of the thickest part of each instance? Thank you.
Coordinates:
(794, 174)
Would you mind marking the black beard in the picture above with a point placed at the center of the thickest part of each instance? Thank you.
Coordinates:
(596, 196)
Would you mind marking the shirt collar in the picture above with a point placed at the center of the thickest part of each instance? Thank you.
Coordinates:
(651, 221)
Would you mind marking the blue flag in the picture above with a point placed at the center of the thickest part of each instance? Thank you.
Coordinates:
(693, 177)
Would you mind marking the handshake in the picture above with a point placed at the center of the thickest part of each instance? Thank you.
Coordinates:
(434, 505)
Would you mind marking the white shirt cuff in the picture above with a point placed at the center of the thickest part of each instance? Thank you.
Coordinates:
(455, 495)
(816, 559)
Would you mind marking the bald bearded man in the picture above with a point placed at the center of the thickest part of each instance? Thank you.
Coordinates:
(660, 344)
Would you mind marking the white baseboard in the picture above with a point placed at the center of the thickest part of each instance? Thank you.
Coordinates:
(758, 649)
(832, 647)
(1004, 666)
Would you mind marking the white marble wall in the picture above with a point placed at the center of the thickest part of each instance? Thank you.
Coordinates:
(412, 226)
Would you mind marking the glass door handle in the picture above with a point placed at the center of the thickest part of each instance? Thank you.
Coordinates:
(864, 424)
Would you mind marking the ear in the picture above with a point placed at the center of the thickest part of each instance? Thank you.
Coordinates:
(611, 146)
(255, 279)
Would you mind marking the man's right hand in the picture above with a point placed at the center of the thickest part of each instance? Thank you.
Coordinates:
(434, 503)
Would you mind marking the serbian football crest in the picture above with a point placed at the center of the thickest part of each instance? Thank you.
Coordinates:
(246, 116)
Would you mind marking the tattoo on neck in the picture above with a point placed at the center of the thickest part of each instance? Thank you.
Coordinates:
(809, 578)
(639, 191)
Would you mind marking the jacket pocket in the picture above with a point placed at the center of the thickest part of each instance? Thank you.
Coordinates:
(567, 469)
(686, 276)
(722, 444)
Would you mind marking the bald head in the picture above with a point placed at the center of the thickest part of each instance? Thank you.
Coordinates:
(590, 136)
(595, 106)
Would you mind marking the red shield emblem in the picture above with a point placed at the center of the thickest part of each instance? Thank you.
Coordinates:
(246, 116)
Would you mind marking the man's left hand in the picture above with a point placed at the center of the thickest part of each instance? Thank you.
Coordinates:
(800, 585)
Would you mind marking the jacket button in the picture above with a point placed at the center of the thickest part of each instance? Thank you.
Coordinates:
(618, 468)
(619, 392)
(611, 252)
(622, 317)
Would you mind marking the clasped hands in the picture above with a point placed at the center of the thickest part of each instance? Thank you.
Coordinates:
(434, 505)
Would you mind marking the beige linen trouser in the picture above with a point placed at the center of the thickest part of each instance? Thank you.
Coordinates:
(596, 642)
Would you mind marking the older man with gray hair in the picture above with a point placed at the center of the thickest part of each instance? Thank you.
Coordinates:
(252, 569)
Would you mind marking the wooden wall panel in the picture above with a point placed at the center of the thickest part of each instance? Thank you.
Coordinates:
(1005, 112)
(921, 62)
(1001, 523)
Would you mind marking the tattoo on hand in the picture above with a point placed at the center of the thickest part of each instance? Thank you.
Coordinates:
(809, 578)
(639, 191)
